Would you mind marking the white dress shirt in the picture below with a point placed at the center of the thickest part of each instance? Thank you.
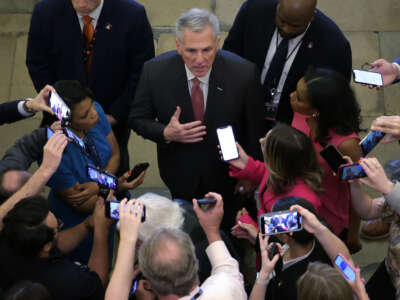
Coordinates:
(293, 48)
(226, 281)
(203, 83)
(95, 14)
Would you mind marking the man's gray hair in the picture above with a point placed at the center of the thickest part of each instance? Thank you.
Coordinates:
(196, 20)
(168, 261)
(160, 212)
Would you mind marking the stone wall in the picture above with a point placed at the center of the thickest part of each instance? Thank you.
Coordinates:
(372, 27)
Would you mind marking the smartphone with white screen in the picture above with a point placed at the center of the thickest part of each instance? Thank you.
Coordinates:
(60, 109)
(227, 143)
(368, 77)
(344, 267)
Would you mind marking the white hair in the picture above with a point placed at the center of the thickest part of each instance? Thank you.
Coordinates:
(160, 212)
(196, 20)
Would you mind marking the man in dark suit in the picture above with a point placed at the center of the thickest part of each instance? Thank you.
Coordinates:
(101, 43)
(166, 109)
(261, 27)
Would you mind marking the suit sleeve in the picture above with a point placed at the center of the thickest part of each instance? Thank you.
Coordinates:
(235, 39)
(38, 50)
(9, 112)
(25, 151)
(142, 49)
(255, 124)
(142, 116)
(347, 62)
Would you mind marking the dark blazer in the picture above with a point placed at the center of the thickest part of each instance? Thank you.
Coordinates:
(123, 42)
(324, 45)
(234, 98)
(9, 112)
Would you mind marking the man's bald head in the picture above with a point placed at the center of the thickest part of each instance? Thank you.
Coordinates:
(293, 16)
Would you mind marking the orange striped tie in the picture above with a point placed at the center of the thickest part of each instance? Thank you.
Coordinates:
(88, 33)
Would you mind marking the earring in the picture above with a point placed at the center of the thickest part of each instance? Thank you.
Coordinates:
(315, 115)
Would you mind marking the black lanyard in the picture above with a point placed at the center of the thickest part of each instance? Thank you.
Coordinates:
(91, 151)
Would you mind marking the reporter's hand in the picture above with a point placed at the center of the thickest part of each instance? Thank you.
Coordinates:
(111, 120)
(376, 176)
(191, 132)
(100, 221)
(358, 286)
(389, 125)
(124, 185)
(56, 126)
(52, 152)
(267, 265)
(41, 101)
(210, 220)
(84, 191)
(309, 220)
(130, 214)
(241, 161)
(388, 70)
(245, 231)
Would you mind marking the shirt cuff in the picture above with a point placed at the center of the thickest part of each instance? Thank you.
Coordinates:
(217, 252)
(21, 109)
(398, 69)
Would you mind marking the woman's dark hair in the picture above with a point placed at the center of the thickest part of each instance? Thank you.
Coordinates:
(24, 229)
(302, 237)
(334, 99)
(72, 92)
(27, 290)
(289, 155)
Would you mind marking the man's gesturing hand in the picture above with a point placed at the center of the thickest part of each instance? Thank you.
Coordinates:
(192, 132)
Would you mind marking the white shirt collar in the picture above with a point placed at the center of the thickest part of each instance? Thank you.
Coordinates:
(95, 14)
(204, 79)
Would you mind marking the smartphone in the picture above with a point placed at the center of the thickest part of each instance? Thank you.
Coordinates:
(370, 141)
(102, 178)
(74, 138)
(60, 109)
(227, 143)
(280, 222)
(368, 77)
(112, 210)
(351, 171)
(206, 201)
(343, 265)
(137, 170)
(333, 157)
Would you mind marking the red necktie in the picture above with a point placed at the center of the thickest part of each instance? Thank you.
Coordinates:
(88, 33)
(197, 100)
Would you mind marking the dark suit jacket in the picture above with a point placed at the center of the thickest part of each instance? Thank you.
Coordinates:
(234, 98)
(9, 112)
(324, 45)
(123, 42)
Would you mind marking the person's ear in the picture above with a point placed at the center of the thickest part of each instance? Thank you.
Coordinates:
(147, 285)
(46, 249)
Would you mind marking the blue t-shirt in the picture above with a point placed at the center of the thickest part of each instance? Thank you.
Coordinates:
(73, 166)
(73, 169)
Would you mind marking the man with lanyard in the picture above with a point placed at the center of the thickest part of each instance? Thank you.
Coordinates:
(294, 35)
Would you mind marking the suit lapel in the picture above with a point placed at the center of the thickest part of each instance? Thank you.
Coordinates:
(303, 57)
(103, 29)
(215, 89)
(180, 89)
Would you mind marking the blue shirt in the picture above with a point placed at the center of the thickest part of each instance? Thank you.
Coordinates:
(73, 166)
